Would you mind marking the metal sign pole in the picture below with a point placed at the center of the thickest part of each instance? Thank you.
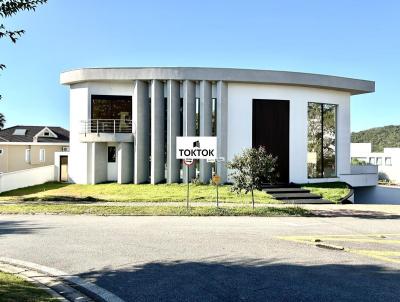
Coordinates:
(216, 172)
(187, 179)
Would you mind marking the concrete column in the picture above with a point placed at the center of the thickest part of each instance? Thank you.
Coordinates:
(125, 163)
(173, 127)
(189, 119)
(222, 128)
(98, 163)
(205, 126)
(157, 173)
(141, 116)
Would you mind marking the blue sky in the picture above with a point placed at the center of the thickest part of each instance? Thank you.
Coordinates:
(358, 39)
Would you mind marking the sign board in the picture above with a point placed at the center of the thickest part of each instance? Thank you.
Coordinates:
(216, 179)
(196, 147)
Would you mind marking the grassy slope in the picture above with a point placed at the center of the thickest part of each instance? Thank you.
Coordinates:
(13, 288)
(150, 210)
(333, 191)
(130, 192)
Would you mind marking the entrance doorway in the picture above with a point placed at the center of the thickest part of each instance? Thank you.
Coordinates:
(63, 168)
(271, 130)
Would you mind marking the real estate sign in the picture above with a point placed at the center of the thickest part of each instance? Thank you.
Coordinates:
(196, 147)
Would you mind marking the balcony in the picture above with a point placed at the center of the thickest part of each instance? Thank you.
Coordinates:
(106, 130)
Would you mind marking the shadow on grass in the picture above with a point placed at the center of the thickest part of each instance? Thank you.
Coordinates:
(63, 199)
(249, 280)
(35, 189)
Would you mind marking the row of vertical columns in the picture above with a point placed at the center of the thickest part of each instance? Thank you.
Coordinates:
(205, 125)
(157, 173)
(222, 128)
(173, 129)
(141, 112)
(189, 119)
(143, 148)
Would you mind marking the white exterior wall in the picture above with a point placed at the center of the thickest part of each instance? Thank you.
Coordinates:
(79, 165)
(363, 151)
(240, 97)
(240, 100)
(26, 178)
(78, 156)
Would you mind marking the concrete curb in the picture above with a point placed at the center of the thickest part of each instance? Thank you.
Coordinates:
(20, 272)
(330, 246)
(89, 289)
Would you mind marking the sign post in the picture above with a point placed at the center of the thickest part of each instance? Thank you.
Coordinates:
(188, 162)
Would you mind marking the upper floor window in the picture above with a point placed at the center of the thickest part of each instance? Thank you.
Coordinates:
(321, 159)
(379, 161)
(65, 149)
(42, 155)
(372, 160)
(1, 152)
(388, 161)
(112, 113)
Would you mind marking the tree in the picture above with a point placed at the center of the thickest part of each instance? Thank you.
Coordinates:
(9, 8)
(380, 137)
(251, 169)
(2, 121)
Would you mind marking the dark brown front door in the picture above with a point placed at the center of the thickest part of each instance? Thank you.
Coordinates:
(63, 168)
(271, 130)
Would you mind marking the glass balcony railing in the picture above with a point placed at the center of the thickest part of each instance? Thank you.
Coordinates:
(106, 126)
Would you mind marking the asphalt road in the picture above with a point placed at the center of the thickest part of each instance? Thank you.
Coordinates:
(214, 258)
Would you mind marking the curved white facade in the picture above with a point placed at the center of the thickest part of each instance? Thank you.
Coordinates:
(166, 103)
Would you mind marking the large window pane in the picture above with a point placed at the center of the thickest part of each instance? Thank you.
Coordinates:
(314, 158)
(111, 113)
(111, 107)
(329, 140)
(321, 159)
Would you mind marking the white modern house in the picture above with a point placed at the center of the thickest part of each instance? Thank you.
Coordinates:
(124, 122)
(388, 161)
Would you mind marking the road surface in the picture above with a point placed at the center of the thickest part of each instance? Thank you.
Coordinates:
(216, 258)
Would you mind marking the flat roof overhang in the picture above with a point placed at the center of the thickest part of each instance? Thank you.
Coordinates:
(353, 86)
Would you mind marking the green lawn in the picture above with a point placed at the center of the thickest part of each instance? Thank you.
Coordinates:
(131, 192)
(74, 209)
(15, 289)
(333, 191)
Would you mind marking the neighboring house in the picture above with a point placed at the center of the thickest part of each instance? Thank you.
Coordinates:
(388, 161)
(27, 147)
(124, 122)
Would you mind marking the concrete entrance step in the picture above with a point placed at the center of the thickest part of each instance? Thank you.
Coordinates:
(283, 196)
(306, 201)
(285, 190)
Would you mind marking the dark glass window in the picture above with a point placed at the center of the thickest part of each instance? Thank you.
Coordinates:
(321, 160)
(111, 113)
(112, 154)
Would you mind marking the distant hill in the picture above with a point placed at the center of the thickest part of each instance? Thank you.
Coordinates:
(380, 137)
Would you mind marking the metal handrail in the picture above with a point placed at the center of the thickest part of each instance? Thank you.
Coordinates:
(106, 126)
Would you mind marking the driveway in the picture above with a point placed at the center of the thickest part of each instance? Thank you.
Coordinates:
(215, 258)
